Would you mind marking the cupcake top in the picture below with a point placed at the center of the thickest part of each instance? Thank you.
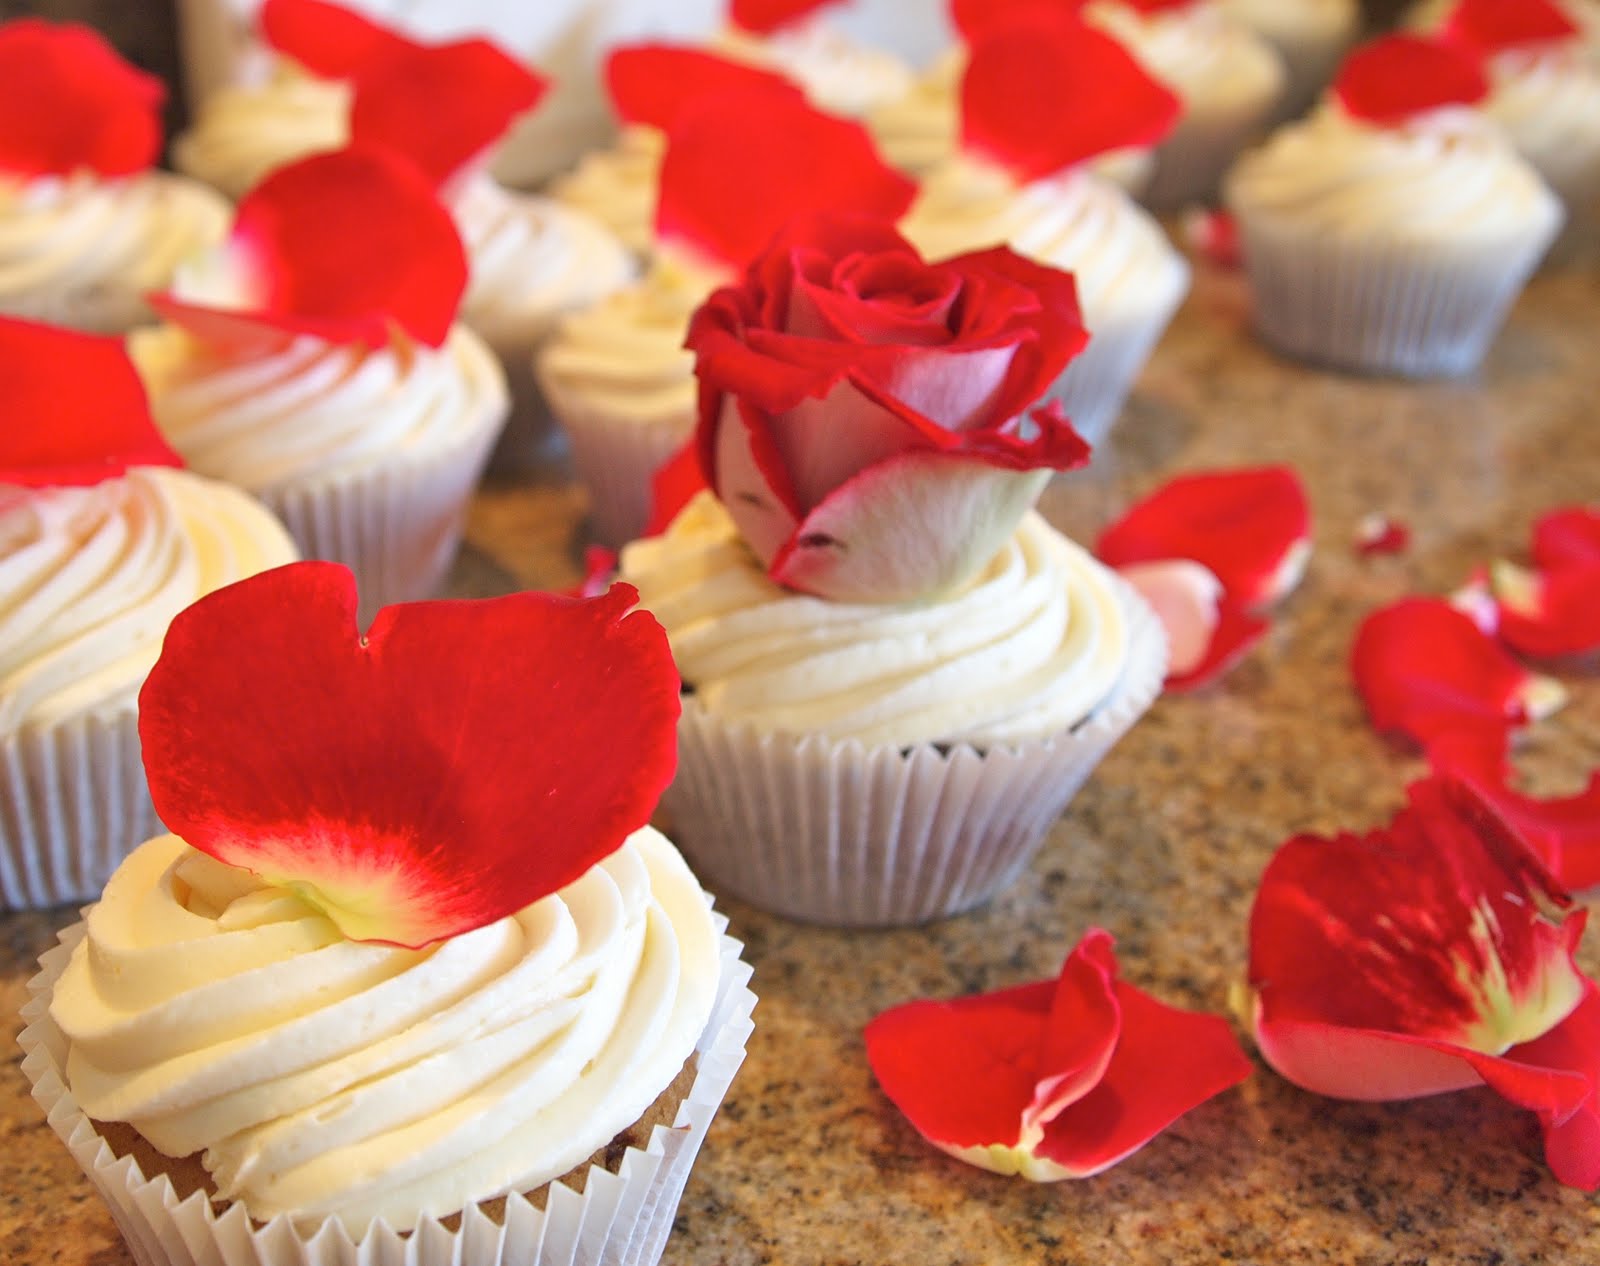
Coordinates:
(918, 129)
(838, 74)
(410, 947)
(617, 186)
(1207, 58)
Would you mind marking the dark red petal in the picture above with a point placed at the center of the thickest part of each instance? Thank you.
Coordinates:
(441, 106)
(1251, 527)
(1040, 96)
(461, 761)
(75, 409)
(727, 141)
(70, 102)
(1237, 632)
(1487, 26)
(762, 17)
(1379, 534)
(674, 486)
(1426, 671)
(1397, 76)
(343, 246)
(1566, 537)
(650, 83)
(1572, 1143)
(329, 40)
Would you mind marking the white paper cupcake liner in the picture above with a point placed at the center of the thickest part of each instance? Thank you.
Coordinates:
(620, 1219)
(834, 832)
(73, 804)
(1411, 309)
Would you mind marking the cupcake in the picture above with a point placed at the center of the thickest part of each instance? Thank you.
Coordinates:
(1229, 79)
(1391, 231)
(345, 1012)
(86, 228)
(1024, 181)
(314, 360)
(103, 539)
(896, 675)
(1309, 35)
(617, 377)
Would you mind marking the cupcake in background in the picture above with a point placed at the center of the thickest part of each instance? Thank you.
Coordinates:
(103, 540)
(1428, 16)
(617, 376)
(896, 674)
(1229, 79)
(412, 981)
(1309, 35)
(314, 359)
(1043, 98)
(1391, 230)
(86, 227)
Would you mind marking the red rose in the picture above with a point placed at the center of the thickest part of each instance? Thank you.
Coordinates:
(863, 414)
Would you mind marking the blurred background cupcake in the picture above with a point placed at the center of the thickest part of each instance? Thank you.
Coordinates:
(1309, 35)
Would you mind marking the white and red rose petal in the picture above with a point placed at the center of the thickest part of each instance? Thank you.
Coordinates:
(75, 409)
(349, 247)
(70, 103)
(1396, 77)
(329, 40)
(1379, 534)
(1059, 1079)
(1552, 611)
(460, 761)
(1208, 632)
(649, 84)
(1489, 26)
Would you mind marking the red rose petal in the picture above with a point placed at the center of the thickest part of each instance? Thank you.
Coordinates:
(1214, 234)
(343, 246)
(763, 17)
(75, 409)
(1378, 534)
(460, 761)
(976, 19)
(1553, 612)
(1567, 537)
(1187, 599)
(650, 83)
(1236, 635)
(1427, 672)
(1393, 78)
(329, 40)
(1041, 96)
(70, 102)
(1487, 26)
(599, 569)
(1251, 527)
(674, 486)
(1571, 1141)
(718, 142)
(443, 105)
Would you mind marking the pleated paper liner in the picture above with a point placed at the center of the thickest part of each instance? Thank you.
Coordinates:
(622, 1217)
(73, 804)
(834, 832)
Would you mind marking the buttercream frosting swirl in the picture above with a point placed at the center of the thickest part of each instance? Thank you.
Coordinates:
(83, 251)
(838, 74)
(1214, 63)
(619, 186)
(1027, 649)
(244, 131)
(304, 409)
(90, 577)
(318, 1076)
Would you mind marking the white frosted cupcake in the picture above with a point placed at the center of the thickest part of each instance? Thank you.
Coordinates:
(1309, 35)
(347, 400)
(1045, 203)
(448, 1063)
(98, 552)
(86, 228)
(1229, 79)
(1391, 231)
(617, 186)
(895, 674)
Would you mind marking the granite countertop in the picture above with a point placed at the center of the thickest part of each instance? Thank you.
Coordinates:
(807, 1163)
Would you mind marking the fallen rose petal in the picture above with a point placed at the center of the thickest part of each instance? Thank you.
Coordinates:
(456, 763)
(71, 103)
(1548, 615)
(1396, 77)
(764, 17)
(1186, 597)
(1567, 537)
(1236, 635)
(650, 83)
(1214, 233)
(1474, 600)
(329, 40)
(1571, 1138)
(1489, 26)
(1379, 534)
(75, 409)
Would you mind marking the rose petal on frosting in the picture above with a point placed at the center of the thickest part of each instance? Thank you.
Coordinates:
(444, 105)
(1058, 1079)
(1393, 78)
(329, 40)
(1489, 26)
(344, 246)
(1427, 672)
(763, 17)
(1041, 96)
(75, 409)
(71, 103)
(1251, 527)
(460, 761)
(650, 83)
(732, 140)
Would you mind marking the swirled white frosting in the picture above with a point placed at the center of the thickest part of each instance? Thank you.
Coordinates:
(533, 259)
(306, 410)
(90, 578)
(83, 251)
(325, 1077)
(1447, 177)
(245, 131)
(921, 128)
(1218, 66)
(1029, 648)
(619, 186)
(1548, 102)
(838, 74)
(1120, 257)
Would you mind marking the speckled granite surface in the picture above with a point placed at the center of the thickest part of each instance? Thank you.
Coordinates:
(808, 1163)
